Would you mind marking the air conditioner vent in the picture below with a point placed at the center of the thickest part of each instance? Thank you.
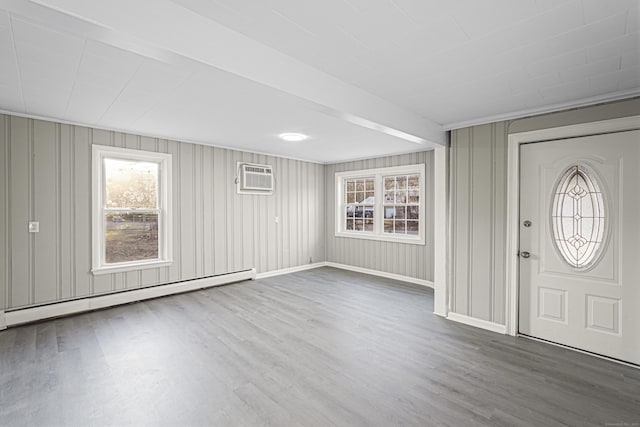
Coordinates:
(260, 170)
(255, 179)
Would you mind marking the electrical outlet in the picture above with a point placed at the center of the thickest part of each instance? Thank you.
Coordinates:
(277, 220)
(34, 227)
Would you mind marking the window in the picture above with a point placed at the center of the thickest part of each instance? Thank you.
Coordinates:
(381, 204)
(359, 206)
(402, 204)
(131, 209)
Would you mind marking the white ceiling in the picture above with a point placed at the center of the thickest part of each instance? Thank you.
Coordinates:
(363, 78)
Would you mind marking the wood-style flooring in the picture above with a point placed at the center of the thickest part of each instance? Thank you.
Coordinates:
(318, 348)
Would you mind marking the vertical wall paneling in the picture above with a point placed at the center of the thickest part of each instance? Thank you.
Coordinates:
(246, 224)
(238, 217)
(19, 211)
(46, 177)
(478, 165)
(461, 209)
(453, 172)
(255, 223)
(481, 221)
(186, 233)
(294, 244)
(220, 206)
(284, 217)
(230, 170)
(82, 214)
(309, 216)
(323, 230)
(206, 208)
(478, 220)
(5, 239)
(405, 259)
(31, 211)
(499, 224)
(196, 214)
(65, 260)
(44, 193)
(469, 218)
(175, 270)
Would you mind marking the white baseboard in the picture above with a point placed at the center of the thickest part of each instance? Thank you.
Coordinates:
(32, 314)
(345, 267)
(384, 274)
(290, 270)
(478, 323)
(3, 321)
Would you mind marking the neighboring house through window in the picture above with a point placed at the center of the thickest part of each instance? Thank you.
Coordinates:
(131, 209)
(382, 204)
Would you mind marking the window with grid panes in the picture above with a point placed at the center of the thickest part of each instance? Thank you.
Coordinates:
(381, 204)
(401, 204)
(359, 204)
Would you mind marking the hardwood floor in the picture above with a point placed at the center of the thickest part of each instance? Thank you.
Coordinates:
(317, 348)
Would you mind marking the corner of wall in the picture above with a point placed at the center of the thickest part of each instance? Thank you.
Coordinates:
(325, 213)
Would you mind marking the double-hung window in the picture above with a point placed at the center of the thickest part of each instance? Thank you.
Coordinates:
(382, 204)
(131, 209)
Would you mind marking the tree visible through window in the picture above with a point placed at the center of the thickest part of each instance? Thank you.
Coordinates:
(131, 208)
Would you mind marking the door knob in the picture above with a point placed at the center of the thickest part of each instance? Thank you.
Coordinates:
(525, 254)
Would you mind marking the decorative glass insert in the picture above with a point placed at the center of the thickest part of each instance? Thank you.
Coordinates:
(578, 216)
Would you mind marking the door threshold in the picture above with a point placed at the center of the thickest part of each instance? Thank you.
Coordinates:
(589, 353)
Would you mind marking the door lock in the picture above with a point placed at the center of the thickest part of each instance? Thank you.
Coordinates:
(527, 223)
(525, 254)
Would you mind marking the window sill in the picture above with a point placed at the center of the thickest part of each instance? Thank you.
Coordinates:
(413, 240)
(123, 268)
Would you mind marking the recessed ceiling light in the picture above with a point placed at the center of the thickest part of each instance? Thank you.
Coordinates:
(293, 137)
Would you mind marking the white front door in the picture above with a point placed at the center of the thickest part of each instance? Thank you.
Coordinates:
(580, 243)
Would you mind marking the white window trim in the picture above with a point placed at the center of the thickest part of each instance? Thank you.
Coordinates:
(99, 153)
(378, 233)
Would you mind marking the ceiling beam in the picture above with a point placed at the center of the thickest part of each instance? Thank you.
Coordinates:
(161, 28)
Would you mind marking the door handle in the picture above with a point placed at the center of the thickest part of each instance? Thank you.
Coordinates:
(525, 254)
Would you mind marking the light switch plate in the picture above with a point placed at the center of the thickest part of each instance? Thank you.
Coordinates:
(34, 227)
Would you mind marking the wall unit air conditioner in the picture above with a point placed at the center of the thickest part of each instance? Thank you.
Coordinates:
(254, 179)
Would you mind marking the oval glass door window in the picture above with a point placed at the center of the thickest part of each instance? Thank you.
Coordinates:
(578, 217)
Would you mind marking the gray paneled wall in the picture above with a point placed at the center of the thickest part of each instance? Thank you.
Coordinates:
(478, 219)
(46, 177)
(398, 258)
(478, 204)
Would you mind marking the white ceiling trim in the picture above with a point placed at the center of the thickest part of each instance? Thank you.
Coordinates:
(210, 43)
(544, 110)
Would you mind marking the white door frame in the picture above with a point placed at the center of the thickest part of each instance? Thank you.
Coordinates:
(513, 195)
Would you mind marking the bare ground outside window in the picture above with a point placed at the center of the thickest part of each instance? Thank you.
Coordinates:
(131, 237)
